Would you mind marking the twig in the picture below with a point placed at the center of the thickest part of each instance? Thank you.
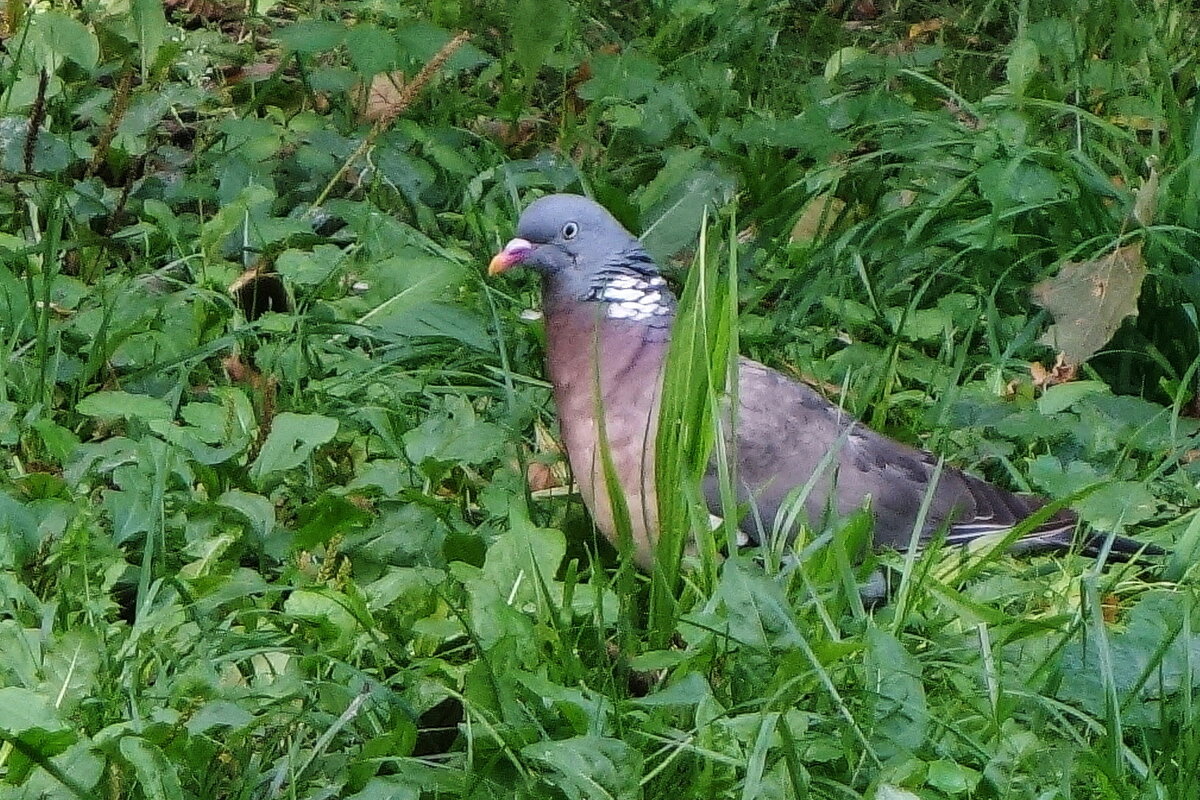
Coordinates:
(36, 116)
(410, 92)
(120, 106)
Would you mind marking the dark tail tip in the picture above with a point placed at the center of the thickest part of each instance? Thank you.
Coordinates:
(1122, 548)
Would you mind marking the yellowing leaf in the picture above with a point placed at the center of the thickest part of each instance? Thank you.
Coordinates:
(1147, 196)
(1089, 299)
(919, 29)
(816, 218)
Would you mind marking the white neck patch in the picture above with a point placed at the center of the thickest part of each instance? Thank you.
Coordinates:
(631, 297)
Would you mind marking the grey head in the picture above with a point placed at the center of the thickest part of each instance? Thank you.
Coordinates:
(585, 255)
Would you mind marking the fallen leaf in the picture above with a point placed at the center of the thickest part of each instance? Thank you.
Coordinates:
(1089, 299)
(547, 469)
(384, 96)
(863, 10)
(1062, 372)
(507, 133)
(1147, 195)
(817, 218)
(919, 29)
(964, 117)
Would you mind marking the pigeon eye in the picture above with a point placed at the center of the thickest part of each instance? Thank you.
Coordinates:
(570, 230)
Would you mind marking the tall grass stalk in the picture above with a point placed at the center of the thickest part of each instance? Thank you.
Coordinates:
(702, 351)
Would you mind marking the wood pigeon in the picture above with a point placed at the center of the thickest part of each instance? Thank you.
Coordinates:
(608, 316)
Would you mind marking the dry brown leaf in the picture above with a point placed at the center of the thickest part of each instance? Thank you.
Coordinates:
(505, 132)
(1089, 299)
(194, 13)
(864, 10)
(919, 29)
(1062, 372)
(816, 218)
(383, 97)
(1147, 196)
(964, 117)
(548, 469)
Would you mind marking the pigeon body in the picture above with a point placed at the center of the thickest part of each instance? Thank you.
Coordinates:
(608, 323)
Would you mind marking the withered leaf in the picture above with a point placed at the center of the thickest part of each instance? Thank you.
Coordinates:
(1089, 299)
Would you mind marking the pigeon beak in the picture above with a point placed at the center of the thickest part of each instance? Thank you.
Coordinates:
(516, 251)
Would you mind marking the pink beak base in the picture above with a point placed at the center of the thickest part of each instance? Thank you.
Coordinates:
(513, 253)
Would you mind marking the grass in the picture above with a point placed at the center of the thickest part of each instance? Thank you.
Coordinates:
(298, 553)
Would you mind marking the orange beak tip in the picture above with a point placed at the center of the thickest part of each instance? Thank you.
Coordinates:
(513, 253)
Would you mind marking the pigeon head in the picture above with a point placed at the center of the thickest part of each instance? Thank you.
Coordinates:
(562, 232)
(584, 254)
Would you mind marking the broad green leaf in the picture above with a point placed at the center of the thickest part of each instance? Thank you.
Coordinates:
(1185, 552)
(627, 76)
(844, 60)
(28, 719)
(311, 36)
(123, 404)
(292, 439)
(1021, 182)
(79, 763)
(55, 37)
(258, 510)
(150, 29)
(537, 26)
(309, 268)
(411, 590)
(589, 767)
(1050, 476)
(1023, 63)
(232, 217)
(522, 557)
(388, 787)
(327, 608)
(506, 595)
(328, 516)
(1062, 396)
(207, 554)
(951, 778)
(453, 437)
(219, 714)
(371, 49)
(13, 244)
(407, 534)
(59, 442)
(758, 614)
(675, 203)
(688, 692)
(405, 281)
(887, 791)
(19, 535)
(70, 664)
(1150, 653)
(901, 717)
(445, 321)
(1116, 506)
(155, 773)
(585, 709)
(420, 41)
